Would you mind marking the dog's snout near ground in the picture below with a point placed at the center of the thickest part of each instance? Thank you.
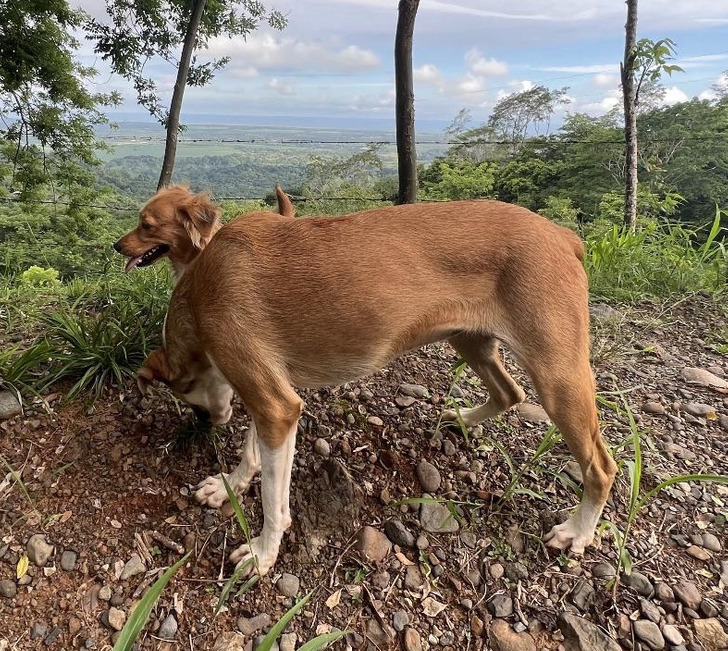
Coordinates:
(323, 301)
(117, 246)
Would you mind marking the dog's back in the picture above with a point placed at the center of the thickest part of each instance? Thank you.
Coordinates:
(322, 292)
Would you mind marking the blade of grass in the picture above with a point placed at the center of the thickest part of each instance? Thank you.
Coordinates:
(139, 617)
(272, 635)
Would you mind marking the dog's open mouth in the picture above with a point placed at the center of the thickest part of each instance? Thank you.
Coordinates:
(145, 259)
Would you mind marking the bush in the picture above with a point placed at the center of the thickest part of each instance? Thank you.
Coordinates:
(656, 261)
(39, 277)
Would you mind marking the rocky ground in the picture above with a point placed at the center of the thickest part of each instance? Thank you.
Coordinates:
(104, 505)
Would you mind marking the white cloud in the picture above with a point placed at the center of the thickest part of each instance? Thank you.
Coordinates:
(427, 74)
(673, 95)
(268, 51)
(604, 79)
(280, 88)
(604, 68)
(480, 66)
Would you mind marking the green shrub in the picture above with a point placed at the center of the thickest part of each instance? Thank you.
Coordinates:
(39, 277)
(656, 261)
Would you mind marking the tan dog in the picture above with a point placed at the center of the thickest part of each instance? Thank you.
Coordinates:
(272, 304)
(177, 224)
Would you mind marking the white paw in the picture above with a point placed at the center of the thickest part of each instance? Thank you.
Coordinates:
(211, 491)
(569, 535)
(450, 416)
(266, 555)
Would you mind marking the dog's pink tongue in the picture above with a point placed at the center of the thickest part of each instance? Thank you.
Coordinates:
(132, 263)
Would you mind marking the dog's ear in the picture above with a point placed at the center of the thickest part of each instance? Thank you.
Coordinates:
(155, 367)
(200, 214)
(285, 207)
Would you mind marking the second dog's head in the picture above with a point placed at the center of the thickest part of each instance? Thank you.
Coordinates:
(175, 223)
(201, 384)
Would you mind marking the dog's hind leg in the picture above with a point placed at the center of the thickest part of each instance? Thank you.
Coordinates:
(563, 379)
(481, 354)
(211, 491)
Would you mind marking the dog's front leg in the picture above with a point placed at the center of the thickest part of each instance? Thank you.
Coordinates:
(276, 475)
(211, 491)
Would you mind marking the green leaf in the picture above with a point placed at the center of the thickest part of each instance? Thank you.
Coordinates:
(139, 617)
(272, 635)
(322, 641)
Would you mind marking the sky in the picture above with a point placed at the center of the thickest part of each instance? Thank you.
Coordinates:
(335, 58)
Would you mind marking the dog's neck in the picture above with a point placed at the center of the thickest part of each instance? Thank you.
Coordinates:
(183, 259)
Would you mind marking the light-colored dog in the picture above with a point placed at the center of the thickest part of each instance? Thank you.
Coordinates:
(177, 224)
(275, 303)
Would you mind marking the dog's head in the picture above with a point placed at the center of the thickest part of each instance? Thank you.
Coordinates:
(201, 384)
(175, 223)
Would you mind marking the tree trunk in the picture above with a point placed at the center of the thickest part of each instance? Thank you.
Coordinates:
(404, 102)
(630, 116)
(170, 148)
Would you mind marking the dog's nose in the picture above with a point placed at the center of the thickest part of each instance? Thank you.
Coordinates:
(117, 246)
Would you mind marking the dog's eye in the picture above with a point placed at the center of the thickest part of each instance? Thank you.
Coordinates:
(146, 226)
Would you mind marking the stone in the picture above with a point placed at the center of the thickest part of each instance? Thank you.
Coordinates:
(52, 636)
(639, 582)
(532, 413)
(703, 378)
(399, 534)
(504, 638)
(583, 595)
(664, 593)
(687, 592)
(581, 635)
(322, 447)
(698, 553)
(105, 593)
(603, 312)
(711, 542)
(435, 517)
(400, 619)
(372, 544)
(516, 572)
(413, 579)
(672, 635)
(375, 421)
(116, 618)
(650, 611)
(251, 625)
(653, 408)
(711, 634)
(229, 641)
(288, 584)
(603, 571)
(501, 606)
(428, 476)
(9, 405)
(649, 633)
(39, 551)
(38, 630)
(288, 642)
(8, 589)
(496, 571)
(698, 409)
(133, 566)
(405, 401)
(412, 640)
(68, 560)
(168, 628)
(414, 390)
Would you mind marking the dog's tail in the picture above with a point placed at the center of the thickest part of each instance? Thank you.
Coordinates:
(285, 207)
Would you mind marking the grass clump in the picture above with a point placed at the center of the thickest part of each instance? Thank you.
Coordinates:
(656, 261)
